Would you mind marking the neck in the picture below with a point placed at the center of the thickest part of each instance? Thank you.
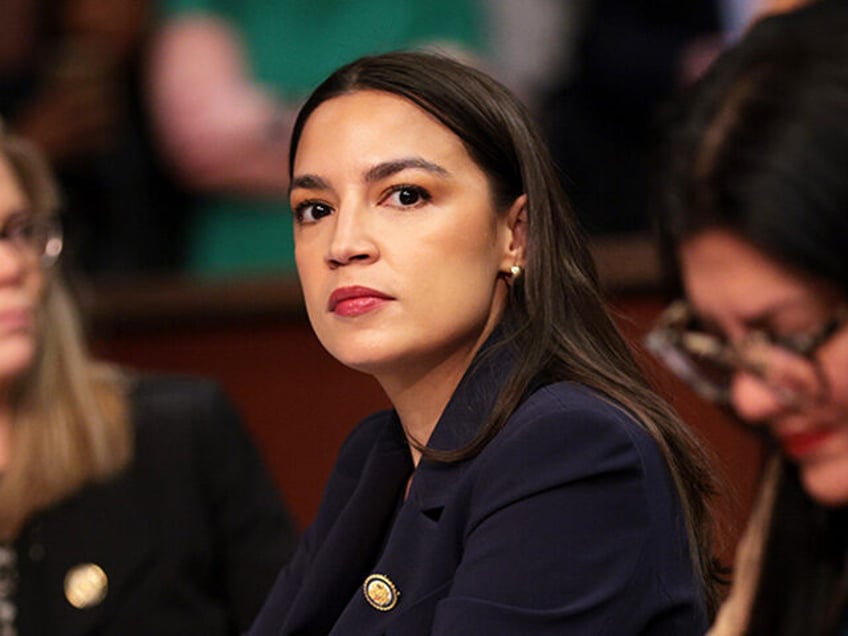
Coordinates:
(420, 397)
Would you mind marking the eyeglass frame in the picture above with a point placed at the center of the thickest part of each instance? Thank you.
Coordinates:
(49, 252)
(667, 335)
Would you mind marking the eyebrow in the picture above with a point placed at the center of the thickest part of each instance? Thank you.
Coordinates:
(762, 318)
(309, 182)
(389, 168)
(375, 173)
(775, 308)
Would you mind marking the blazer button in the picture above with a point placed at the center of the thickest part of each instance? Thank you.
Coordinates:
(380, 592)
(86, 585)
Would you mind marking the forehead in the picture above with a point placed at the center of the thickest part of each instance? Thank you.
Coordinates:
(371, 124)
(727, 276)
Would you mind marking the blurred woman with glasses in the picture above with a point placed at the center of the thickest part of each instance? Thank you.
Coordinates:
(129, 504)
(757, 213)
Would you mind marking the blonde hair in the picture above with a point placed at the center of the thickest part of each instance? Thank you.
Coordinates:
(734, 614)
(69, 414)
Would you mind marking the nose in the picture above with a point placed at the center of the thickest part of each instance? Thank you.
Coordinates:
(352, 238)
(753, 400)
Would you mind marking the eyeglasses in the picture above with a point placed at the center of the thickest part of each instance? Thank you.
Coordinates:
(37, 237)
(708, 362)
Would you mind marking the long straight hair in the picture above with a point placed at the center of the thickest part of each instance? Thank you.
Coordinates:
(803, 580)
(760, 147)
(70, 421)
(555, 316)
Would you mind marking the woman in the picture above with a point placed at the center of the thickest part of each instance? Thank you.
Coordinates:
(128, 505)
(757, 209)
(526, 481)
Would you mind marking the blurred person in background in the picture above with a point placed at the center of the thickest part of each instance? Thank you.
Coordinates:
(225, 79)
(130, 504)
(756, 214)
(631, 57)
(69, 73)
(604, 116)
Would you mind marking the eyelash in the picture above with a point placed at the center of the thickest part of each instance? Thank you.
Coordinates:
(300, 210)
(423, 197)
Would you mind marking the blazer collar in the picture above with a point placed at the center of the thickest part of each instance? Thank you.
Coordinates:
(466, 412)
(367, 518)
(364, 522)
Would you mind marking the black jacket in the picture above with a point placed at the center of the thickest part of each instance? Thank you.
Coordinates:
(190, 536)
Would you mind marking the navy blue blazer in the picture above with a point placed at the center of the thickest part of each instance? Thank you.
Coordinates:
(567, 523)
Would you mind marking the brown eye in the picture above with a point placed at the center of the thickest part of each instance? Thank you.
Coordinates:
(407, 196)
(311, 211)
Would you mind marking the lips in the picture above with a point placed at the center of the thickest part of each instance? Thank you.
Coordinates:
(801, 444)
(15, 319)
(355, 300)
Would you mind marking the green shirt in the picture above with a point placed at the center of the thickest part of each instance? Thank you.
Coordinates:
(292, 45)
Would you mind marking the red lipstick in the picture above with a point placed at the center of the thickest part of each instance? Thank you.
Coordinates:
(799, 444)
(355, 300)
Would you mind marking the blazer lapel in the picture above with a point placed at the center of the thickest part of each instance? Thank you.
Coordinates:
(331, 597)
(353, 545)
(416, 530)
(463, 417)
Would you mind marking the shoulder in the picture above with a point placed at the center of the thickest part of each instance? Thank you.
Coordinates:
(580, 475)
(177, 398)
(579, 421)
(154, 390)
(566, 435)
(183, 414)
(570, 398)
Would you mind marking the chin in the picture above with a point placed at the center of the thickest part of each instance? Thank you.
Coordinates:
(15, 359)
(827, 483)
(366, 351)
(369, 364)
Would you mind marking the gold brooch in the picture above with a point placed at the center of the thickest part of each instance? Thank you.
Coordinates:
(86, 585)
(380, 592)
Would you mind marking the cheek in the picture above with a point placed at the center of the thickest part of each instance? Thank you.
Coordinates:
(309, 266)
(834, 363)
(461, 266)
(315, 302)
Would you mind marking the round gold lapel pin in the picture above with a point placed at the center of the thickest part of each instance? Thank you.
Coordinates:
(86, 585)
(380, 592)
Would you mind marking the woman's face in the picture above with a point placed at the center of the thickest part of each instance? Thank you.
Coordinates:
(739, 289)
(21, 283)
(398, 245)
